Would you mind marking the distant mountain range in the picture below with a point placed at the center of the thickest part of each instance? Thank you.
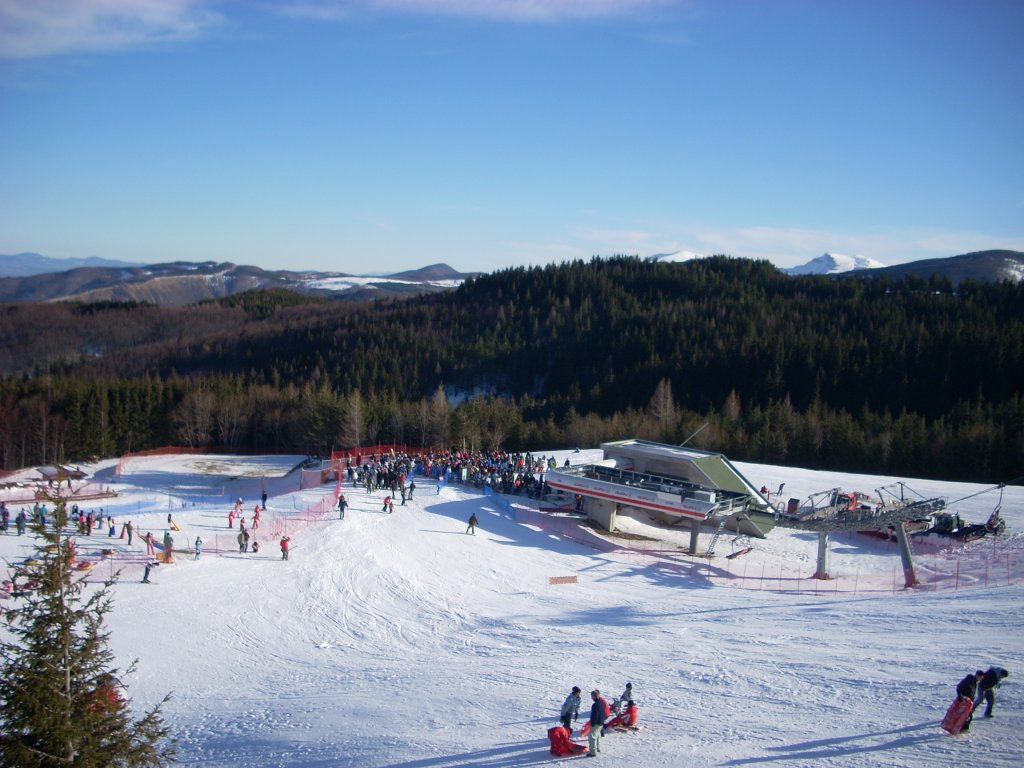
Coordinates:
(26, 264)
(181, 283)
(31, 277)
(981, 266)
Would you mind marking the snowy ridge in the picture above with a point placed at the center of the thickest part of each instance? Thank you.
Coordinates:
(677, 256)
(834, 264)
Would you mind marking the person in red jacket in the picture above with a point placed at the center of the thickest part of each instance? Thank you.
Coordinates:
(627, 719)
(285, 542)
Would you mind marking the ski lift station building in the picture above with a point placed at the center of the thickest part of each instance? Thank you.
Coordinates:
(683, 485)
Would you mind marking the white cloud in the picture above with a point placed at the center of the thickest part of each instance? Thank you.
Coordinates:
(512, 10)
(33, 28)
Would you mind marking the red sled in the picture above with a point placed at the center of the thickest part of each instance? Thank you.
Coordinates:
(957, 715)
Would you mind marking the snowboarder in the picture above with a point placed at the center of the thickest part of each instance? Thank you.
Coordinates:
(198, 547)
(285, 546)
(571, 708)
(987, 688)
(472, 524)
(598, 712)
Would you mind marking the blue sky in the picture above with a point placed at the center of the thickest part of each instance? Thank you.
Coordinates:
(380, 135)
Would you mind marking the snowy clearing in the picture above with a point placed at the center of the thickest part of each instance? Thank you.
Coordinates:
(398, 641)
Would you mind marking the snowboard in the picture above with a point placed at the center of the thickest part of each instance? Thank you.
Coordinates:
(957, 715)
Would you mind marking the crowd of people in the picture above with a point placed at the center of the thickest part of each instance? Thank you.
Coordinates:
(502, 471)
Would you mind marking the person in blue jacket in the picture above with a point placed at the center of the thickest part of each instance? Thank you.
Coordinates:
(571, 708)
(987, 688)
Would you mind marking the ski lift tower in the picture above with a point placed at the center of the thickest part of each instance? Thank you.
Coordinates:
(841, 513)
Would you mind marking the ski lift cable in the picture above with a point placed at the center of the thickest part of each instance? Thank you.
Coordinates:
(999, 486)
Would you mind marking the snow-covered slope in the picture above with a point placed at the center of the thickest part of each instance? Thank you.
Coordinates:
(394, 640)
(676, 256)
(834, 263)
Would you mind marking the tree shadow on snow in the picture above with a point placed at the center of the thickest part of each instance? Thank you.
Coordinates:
(830, 749)
(500, 756)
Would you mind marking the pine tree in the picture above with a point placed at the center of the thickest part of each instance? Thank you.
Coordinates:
(62, 703)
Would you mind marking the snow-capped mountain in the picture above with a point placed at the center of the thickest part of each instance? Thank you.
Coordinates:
(834, 264)
(676, 256)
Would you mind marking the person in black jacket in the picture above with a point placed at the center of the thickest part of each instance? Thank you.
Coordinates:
(597, 715)
(968, 689)
(987, 688)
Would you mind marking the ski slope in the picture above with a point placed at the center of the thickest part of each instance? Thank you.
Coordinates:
(399, 641)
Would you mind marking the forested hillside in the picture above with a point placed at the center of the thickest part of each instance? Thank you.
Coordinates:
(907, 377)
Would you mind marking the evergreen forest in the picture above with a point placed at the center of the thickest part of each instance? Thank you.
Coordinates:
(908, 377)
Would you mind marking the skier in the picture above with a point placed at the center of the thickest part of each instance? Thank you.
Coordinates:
(571, 708)
(472, 524)
(598, 712)
(263, 500)
(987, 688)
(412, 487)
(342, 506)
(129, 528)
(231, 518)
(255, 546)
(20, 521)
(387, 501)
(241, 540)
(198, 547)
(145, 575)
(968, 689)
(285, 546)
(150, 547)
